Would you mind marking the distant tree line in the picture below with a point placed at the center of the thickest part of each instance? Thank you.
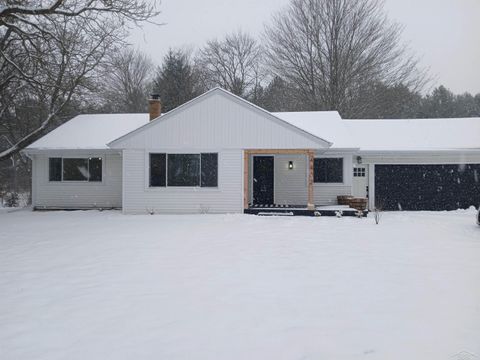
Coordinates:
(72, 57)
(314, 55)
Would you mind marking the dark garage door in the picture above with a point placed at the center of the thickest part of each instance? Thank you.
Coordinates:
(427, 187)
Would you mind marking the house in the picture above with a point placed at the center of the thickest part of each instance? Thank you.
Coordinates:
(219, 154)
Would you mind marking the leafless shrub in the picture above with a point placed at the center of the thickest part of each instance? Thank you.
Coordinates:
(377, 212)
(204, 209)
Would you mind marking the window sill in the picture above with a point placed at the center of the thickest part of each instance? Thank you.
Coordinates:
(76, 182)
(180, 188)
(329, 184)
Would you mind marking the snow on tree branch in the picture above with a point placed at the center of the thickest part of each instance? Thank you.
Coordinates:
(50, 56)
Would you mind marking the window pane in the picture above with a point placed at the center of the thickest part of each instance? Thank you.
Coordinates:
(55, 169)
(335, 170)
(95, 169)
(319, 173)
(183, 169)
(209, 170)
(328, 170)
(75, 169)
(157, 170)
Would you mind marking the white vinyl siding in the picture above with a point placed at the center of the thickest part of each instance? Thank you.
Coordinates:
(291, 185)
(139, 198)
(219, 121)
(78, 194)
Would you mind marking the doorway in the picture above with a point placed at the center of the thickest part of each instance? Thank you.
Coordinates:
(360, 181)
(263, 180)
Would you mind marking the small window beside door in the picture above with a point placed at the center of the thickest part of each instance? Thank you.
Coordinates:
(358, 172)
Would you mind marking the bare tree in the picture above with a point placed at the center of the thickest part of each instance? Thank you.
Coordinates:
(127, 77)
(49, 58)
(329, 50)
(232, 63)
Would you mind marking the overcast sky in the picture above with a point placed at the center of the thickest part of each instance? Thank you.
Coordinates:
(445, 34)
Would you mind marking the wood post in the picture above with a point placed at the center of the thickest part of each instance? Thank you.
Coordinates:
(311, 157)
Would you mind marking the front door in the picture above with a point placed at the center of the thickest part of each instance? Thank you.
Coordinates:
(263, 180)
(360, 181)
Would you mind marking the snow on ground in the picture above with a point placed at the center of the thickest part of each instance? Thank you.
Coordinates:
(101, 285)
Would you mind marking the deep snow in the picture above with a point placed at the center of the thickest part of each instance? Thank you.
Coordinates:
(101, 285)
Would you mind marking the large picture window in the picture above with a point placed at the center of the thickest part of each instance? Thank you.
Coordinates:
(75, 169)
(191, 170)
(328, 170)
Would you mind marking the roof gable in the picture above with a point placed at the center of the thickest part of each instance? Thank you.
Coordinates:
(217, 109)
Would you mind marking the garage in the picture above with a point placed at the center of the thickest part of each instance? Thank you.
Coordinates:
(427, 187)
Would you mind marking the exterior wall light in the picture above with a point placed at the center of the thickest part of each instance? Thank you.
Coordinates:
(290, 165)
(359, 159)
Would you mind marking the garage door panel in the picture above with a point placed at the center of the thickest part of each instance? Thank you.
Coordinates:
(427, 187)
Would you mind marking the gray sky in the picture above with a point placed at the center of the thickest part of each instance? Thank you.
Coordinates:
(445, 34)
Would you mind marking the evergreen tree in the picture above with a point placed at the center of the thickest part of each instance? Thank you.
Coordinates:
(442, 103)
(378, 101)
(278, 95)
(439, 104)
(177, 80)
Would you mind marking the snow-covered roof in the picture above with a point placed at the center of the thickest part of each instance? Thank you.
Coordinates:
(416, 134)
(324, 124)
(97, 130)
(92, 131)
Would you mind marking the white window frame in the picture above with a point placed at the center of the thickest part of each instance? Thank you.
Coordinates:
(62, 181)
(175, 152)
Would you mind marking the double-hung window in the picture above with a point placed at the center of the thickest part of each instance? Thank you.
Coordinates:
(75, 169)
(187, 170)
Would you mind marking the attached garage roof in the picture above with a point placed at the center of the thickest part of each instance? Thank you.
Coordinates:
(325, 124)
(416, 134)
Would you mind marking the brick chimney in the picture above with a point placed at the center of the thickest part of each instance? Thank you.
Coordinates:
(154, 106)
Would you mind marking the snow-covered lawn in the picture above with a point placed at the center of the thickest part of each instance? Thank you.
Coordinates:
(101, 285)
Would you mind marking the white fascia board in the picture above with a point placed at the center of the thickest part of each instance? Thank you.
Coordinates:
(431, 152)
(53, 151)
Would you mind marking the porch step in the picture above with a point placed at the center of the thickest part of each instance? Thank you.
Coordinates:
(271, 213)
(319, 211)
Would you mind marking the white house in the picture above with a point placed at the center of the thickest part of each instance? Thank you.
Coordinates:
(219, 153)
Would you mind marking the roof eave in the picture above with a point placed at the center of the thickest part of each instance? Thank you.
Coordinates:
(34, 151)
(420, 151)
